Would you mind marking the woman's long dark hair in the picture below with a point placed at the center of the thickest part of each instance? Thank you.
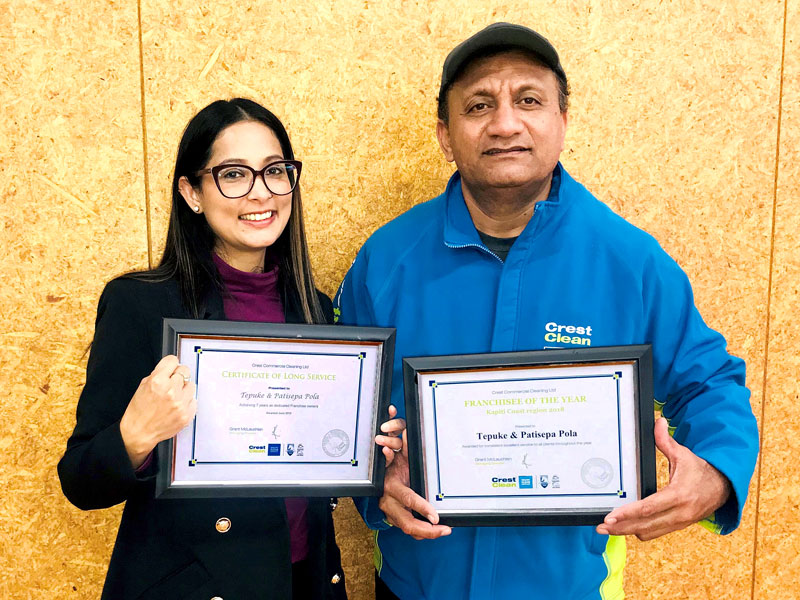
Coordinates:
(190, 240)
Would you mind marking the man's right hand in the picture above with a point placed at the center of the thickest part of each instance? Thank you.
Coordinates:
(398, 498)
(163, 404)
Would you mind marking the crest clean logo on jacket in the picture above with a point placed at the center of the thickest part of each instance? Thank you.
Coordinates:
(574, 335)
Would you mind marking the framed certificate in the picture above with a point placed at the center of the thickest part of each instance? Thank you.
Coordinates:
(282, 410)
(551, 437)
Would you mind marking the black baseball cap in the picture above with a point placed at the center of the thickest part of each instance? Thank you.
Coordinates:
(499, 36)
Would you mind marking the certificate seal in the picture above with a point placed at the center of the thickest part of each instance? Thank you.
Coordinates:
(597, 473)
(335, 442)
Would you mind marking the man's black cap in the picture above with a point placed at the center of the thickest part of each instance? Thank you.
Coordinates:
(499, 36)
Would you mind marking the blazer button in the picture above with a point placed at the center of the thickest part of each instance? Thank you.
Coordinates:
(223, 526)
(336, 579)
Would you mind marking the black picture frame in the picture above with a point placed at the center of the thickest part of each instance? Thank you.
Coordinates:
(640, 356)
(174, 332)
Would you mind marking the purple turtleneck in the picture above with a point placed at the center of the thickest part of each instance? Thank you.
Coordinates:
(256, 297)
(251, 296)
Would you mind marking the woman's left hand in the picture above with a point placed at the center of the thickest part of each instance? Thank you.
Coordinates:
(398, 498)
(392, 442)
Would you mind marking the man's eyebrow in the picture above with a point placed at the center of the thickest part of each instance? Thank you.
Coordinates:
(487, 92)
(537, 87)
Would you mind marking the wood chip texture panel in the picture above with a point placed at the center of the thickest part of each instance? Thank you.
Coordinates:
(673, 122)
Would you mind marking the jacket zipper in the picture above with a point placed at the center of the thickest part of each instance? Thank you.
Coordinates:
(484, 248)
(473, 246)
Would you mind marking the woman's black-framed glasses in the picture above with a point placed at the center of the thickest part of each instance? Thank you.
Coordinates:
(235, 180)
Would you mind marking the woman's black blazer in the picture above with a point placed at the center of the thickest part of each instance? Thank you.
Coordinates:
(171, 549)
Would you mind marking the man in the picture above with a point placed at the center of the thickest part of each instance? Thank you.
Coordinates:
(513, 250)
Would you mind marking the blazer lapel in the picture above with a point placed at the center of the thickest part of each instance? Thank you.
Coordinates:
(214, 308)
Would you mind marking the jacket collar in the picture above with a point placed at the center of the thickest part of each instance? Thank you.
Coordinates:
(459, 230)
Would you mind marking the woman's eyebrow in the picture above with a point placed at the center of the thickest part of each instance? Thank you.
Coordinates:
(270, 158)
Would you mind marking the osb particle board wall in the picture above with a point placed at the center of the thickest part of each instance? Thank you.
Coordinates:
(72, 195)
(674, 122)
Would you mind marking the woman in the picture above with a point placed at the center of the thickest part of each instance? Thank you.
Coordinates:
(235, 249)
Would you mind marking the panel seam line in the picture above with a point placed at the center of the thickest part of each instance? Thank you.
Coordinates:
(765, 375)
(144, 141)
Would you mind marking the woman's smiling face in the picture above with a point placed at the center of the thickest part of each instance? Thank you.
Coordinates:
(246, 226)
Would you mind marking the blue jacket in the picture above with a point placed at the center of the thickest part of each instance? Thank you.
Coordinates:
(578, 264)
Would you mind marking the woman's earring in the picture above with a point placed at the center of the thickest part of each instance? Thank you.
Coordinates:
(196, 208)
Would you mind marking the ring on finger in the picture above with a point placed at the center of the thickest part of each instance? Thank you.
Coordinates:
(396, 450)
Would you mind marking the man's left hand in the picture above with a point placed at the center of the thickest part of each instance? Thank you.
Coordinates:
(695, 491)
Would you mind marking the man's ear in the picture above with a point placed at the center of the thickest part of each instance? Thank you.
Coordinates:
(190, 195)
(443, 135)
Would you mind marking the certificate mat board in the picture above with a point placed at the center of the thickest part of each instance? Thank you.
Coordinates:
(282, 410)
(551, 437)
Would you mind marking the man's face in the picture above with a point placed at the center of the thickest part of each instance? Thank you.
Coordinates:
(505, 128)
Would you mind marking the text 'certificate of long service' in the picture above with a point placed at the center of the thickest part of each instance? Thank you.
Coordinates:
(283, 411)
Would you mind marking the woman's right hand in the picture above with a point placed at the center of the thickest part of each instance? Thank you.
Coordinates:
(163, 404)
(398, 498)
